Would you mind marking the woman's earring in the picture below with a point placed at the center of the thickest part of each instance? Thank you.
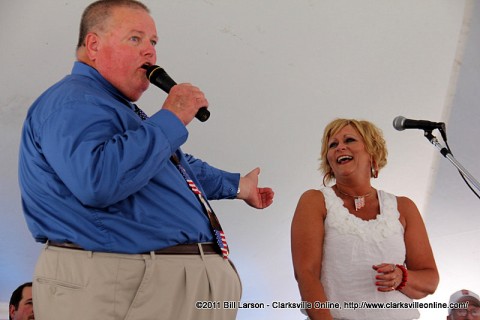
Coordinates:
(329, 175)
(374, 169)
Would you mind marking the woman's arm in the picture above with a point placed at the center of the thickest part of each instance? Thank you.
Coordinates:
(307, 249)
(423, 275)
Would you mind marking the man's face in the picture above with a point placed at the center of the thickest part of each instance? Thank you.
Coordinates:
(127, 43)
(470, 313)
(25, 306)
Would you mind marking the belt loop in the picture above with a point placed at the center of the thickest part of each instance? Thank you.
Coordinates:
(152, 255)
(90, 254)
(201, 250)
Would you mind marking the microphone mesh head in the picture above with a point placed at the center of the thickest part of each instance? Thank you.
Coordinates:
(398, 123)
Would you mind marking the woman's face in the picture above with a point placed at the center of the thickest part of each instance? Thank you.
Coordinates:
(347, 154)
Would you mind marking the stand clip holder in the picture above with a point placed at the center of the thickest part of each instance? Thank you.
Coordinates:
(447, 154)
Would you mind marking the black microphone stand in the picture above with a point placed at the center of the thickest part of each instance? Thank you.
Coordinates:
(447, 154)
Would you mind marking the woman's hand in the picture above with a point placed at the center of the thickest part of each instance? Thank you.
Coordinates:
(388, 276)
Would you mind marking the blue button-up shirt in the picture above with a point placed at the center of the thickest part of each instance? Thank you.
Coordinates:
(92, 173)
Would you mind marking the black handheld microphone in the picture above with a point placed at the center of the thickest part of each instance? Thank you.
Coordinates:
(401, 123)
(157, 76)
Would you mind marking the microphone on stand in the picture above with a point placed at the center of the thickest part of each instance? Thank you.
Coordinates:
(401, 123)
(159, 77)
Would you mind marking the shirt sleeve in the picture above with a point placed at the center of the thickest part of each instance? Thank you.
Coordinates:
(216, 183)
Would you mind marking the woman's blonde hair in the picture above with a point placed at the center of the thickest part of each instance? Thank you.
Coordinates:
(372, 136)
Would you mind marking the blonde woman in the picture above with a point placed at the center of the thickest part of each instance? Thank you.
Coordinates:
(353, 244)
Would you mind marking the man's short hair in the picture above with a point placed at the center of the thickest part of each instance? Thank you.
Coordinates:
(95, 15)
(17, 296)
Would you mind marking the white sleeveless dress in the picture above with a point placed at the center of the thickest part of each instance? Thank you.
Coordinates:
(351, 247)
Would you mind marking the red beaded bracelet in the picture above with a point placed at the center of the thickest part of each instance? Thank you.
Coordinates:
(404, 277)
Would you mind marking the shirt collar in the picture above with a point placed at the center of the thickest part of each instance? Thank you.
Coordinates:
(83, 69)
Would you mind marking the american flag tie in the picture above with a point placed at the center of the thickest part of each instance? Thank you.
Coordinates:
(140, 113)
(214, 223)
(212, 217)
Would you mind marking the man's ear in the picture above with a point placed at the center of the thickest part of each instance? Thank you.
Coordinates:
(11, 311)
(92, 42)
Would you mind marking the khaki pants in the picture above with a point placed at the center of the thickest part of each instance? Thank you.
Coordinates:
(74, 284)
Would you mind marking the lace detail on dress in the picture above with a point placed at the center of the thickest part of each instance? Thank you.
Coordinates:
(384, 225)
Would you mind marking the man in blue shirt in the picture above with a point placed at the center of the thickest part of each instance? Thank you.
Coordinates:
(125, 235)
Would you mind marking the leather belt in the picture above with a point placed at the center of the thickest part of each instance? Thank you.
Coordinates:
(191, 248)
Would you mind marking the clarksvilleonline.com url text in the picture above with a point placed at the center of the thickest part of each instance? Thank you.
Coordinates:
(403, 305)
